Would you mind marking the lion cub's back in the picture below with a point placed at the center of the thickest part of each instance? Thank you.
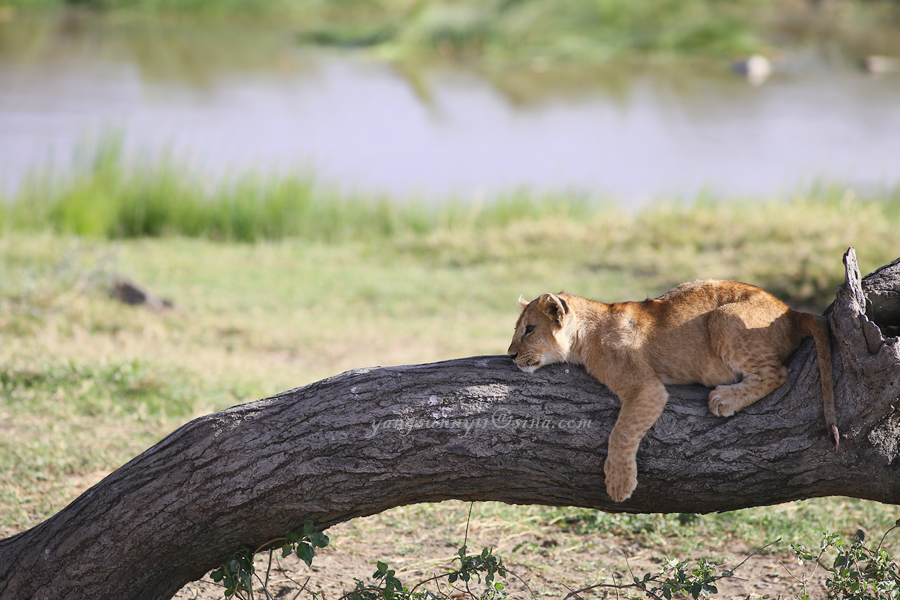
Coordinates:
(680, 345)
(707, 294)
(688, 301)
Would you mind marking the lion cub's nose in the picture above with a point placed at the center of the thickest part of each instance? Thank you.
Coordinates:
(512, 354)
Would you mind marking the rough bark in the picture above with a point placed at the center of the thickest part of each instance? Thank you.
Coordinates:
(471, 429)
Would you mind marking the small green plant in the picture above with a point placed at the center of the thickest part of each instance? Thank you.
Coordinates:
(388, 586)
(857, 572)
(682, 577)
(696, 578)
(237, 573)
(485, 563)
(304, 543)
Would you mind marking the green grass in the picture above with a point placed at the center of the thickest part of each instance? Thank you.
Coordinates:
(63, 422)
(787, 246)
(676, 534)
(106, 199)
(503, 32)
(794, 522)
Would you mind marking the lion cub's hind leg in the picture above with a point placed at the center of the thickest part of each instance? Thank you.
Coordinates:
(748, 351)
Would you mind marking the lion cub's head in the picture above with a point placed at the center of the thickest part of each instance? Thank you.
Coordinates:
(541, 334)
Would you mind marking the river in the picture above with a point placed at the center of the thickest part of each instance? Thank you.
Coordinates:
(219, 104)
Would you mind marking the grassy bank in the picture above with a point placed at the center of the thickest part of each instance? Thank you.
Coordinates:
(104, 198)
(558, 31)
(786, 245)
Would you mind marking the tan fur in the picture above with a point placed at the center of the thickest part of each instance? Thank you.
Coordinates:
(727, 335)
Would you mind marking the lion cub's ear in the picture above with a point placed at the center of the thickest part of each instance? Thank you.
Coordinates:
(522, 302)
(554, 306)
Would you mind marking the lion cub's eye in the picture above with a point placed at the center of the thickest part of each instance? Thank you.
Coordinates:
(529, 329)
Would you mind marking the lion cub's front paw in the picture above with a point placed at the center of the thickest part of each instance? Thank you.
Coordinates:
(721, 403)
(621, 479)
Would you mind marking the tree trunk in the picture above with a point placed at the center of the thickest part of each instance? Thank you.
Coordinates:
(471, 429)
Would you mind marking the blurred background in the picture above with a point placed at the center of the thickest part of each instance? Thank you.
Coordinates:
(626, 101)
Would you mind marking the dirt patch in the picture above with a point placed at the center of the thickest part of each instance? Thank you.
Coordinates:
(543, 560)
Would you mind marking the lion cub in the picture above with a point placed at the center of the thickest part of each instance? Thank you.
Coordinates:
(725, 334)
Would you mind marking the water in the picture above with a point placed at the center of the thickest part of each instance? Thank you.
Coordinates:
(221, 104)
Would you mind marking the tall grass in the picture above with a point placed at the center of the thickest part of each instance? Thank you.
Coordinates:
(106, 199)
(504, 31)
(794, 241)
(563, 29)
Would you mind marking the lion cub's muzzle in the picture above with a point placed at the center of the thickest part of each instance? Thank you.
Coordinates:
(527, 364)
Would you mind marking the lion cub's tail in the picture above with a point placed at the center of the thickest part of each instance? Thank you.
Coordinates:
(817, 327)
